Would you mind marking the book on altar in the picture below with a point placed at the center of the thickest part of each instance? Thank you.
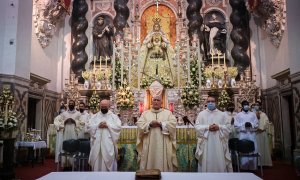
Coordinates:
(148, 174)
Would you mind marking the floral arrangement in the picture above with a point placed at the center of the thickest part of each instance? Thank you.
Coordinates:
(219, 73)
(232, 71)
(125, 99)
(94, 102)
(8, 118)
(194, 73)
(86, 75)
(166, 82)
(223, 100)
(145, 82)
(190, 96)
(208, 72)
(118, 81)
(99, 75)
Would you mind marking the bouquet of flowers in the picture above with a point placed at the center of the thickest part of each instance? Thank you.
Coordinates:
(145, 82)
(166, 82)
(223, 100)
(194, 73)
(190, 96)
(232, 71)
(94, 102)
(219, 73)
(125, 98)
(86, 75)
(118, 74)
(8, 118)
(208, 72)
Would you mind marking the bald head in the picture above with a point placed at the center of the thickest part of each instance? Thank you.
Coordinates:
(104, 103)
(156, 102)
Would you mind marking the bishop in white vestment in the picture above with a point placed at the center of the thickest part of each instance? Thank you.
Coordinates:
(105, 128)
(212, 129)
(156, 141)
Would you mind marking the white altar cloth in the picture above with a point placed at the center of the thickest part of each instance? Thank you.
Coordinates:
(131, 176)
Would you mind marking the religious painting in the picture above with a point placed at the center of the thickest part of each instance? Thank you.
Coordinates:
(168, 22)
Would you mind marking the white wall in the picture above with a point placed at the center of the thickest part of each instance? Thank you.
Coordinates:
(293, 25)
(52, 62)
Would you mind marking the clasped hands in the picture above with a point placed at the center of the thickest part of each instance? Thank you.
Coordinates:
(103, 125)
(213, 127)
(155, 124)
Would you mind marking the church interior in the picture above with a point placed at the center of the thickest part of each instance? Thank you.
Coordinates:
(54, 52)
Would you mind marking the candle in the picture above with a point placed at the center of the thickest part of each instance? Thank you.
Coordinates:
(94, 68)
(122, 62)
(6, 114)
(218, 58)
(100, 63)
(212, 60)
(178, 65)
(224, 60)
(106, 58)
(138, 61)
(130, 57)
(199, 65)
(188, 62)
(113, 65)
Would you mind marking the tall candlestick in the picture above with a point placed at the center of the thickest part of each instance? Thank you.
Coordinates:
(188, 62)
(100, 63)
(212, 60)
(218, 58)
(113, 65)
(224, 60)
(94, 68)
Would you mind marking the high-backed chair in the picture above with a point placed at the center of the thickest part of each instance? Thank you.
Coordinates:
(246, 148)
(232, 144)
(82, 157)
(70, 148)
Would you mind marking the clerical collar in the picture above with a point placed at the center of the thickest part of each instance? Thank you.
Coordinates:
(156, 111)
(73, 111)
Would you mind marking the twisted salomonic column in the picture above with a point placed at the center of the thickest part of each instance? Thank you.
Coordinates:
(193, 15)
(79, 25)
(122, 14)
(240, 34)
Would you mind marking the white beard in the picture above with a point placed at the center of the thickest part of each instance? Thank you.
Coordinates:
(69, 132)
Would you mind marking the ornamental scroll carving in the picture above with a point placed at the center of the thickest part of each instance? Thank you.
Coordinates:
(270, 16)
(46, 14)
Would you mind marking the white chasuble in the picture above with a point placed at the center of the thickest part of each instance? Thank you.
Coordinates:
(212, 147)
(157, 146)
(104, 150)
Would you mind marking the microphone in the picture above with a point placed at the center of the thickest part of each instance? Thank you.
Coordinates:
(186, 120)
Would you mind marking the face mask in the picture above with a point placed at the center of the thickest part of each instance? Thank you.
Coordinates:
(254, 110)
(62, 110)
(211, 106)
(246, 108)
(71, 107)
(81, 110)
(104, 111)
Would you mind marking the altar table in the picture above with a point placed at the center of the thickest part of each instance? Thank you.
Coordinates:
(131, 176)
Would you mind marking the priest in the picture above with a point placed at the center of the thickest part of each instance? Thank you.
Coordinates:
(213, 128)
(66, 129)
(105, 128)
(156, 141)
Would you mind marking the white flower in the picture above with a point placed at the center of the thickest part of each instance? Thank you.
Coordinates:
(10, 124)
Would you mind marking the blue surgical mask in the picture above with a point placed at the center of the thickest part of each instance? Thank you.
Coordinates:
(254, 110)
(211, 106)
(246, 108)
